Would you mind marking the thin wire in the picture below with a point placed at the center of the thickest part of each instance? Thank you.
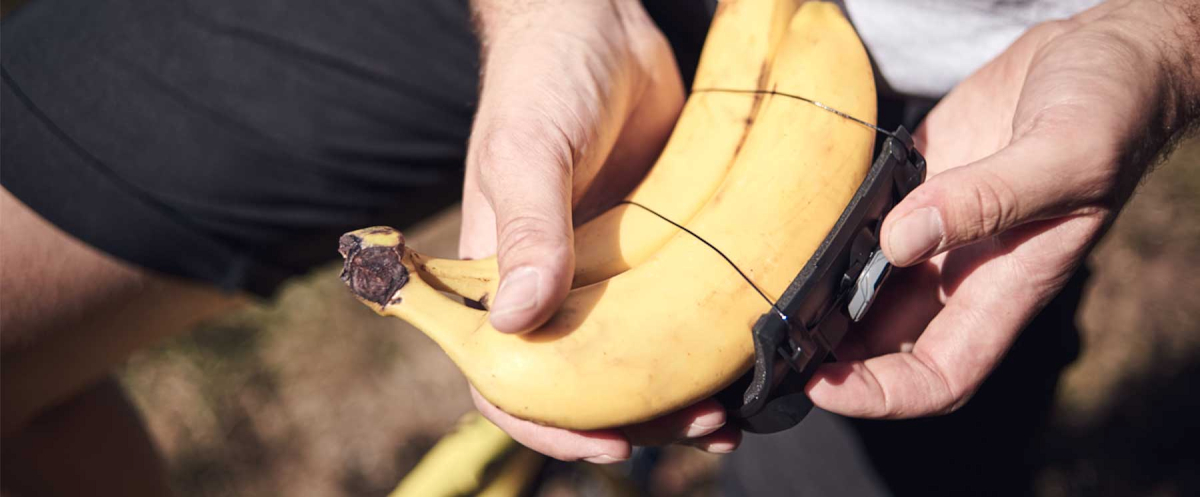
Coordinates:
(718, 251)
(800, 98)
(772, 91)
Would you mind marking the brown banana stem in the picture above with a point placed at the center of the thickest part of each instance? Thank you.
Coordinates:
(381, 272)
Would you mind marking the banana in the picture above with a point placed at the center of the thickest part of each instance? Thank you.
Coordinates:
(516, 475)
(707, 136)
(675, 328)
(461, 463)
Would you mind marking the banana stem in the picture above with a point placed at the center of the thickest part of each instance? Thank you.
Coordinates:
(382, 273)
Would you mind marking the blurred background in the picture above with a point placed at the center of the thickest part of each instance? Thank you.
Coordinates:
(313, 394)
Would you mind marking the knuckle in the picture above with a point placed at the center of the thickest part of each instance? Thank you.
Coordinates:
(522, 143)
(645, 40)
(888, 408)
(1037, 37)
(954, 396)
(942, 395)
(956, 403)
(650, 49)
(1051, 29)
(986, 208)
(531, 234)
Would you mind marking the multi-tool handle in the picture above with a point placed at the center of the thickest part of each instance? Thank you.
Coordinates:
(835, 288)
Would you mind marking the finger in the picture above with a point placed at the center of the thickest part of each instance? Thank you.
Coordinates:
(949, 361)
(1036, 177)
(697, 420)
(897, 385)
(524, 170)
(902, 310)
(600, 447)
(723, 441)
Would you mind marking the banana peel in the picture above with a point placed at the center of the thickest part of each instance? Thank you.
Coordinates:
(673, 328)
(476, 458)
(707, 137)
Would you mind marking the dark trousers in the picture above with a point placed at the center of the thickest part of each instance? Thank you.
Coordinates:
(232, 142)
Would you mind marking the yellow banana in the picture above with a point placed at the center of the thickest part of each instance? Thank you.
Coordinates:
(675, 328)
(707, 136)
(515, 475)
(459, 463)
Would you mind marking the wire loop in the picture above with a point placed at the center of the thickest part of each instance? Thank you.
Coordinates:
(772, 91)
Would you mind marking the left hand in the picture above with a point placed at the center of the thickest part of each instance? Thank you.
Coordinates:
(577, 99)
(1030, 159)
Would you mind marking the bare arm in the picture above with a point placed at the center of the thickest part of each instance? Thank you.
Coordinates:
(70, 313)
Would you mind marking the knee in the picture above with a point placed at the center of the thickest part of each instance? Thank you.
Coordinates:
(93, 440)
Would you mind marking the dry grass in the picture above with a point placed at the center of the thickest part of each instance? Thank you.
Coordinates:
(312, 394)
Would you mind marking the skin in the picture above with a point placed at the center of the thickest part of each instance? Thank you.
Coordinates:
(1062, 126)
(1065, 124)
(592, 103)
(65, 303)
(63, 453)
(1030, 159)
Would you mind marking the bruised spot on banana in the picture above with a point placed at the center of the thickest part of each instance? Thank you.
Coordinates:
(659, 320)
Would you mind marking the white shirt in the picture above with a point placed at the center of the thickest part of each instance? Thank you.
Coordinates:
(925, 47)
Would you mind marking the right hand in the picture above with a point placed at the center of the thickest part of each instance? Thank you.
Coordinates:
(577, 100)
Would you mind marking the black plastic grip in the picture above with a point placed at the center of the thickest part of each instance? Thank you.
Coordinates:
(771, 397)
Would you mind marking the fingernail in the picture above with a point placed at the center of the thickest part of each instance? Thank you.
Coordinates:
(705, 424)
(518, 292)
(720, 447)
(714, 447)
(915, 235)
(602, 459)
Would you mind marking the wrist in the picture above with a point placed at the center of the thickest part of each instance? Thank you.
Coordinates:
(1182, 59)
(618, 34)
(1167, 33)
(500, 19)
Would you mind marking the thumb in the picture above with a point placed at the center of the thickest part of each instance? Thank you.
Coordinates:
(556, 92)
(1032, 178)
(525, 175)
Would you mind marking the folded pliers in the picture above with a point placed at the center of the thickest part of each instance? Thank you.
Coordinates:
(834, 289)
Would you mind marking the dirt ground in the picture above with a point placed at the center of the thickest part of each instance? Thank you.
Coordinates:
(312, 394)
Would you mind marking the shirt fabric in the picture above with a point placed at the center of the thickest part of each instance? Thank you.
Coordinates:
(923, 48)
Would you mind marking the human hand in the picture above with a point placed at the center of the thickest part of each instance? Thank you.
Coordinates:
(577, 100)
(1030, 160)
